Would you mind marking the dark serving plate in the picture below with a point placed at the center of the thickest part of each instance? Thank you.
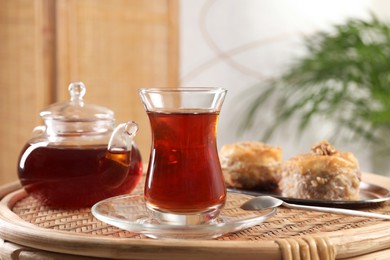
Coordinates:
(370, 195)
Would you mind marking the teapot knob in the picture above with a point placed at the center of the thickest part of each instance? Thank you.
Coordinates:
(77, 91)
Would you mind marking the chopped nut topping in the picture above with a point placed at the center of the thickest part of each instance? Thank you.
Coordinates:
(321, 180)
(323, 148)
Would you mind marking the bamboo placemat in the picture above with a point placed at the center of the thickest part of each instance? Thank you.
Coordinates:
(286, 223)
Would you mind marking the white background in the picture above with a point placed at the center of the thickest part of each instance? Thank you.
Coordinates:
(236, 44)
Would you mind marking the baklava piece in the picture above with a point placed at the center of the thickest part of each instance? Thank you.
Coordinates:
(251, 165)
(324, 174)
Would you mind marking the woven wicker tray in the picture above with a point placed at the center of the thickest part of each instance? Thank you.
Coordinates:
(290, 234)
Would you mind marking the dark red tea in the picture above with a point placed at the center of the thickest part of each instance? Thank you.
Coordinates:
(184, 172)
(77, 177)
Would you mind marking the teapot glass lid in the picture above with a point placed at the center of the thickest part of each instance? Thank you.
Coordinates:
(76, 109)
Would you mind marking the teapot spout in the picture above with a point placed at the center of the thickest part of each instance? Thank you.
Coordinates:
(122, 137)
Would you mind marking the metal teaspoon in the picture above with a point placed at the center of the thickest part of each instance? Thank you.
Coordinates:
(266, 202)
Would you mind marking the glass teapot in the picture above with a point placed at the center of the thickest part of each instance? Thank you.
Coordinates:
(78, 157)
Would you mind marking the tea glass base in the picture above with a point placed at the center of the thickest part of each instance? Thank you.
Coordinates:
(197, 218)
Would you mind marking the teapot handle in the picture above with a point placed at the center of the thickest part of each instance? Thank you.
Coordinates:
(122, 137)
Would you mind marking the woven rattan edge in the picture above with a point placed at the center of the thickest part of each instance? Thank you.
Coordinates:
(306, 247)
(8, 188)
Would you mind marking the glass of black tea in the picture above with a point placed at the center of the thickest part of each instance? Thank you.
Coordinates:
(184, 183)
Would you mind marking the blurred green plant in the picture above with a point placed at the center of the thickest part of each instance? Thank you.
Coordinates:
(343, 77)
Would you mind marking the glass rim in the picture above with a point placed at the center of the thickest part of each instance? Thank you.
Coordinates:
(183, 90)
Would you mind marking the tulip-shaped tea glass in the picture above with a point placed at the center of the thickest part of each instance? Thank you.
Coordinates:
(184, 182)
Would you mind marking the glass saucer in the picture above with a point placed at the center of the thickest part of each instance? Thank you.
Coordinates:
(129, 212)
